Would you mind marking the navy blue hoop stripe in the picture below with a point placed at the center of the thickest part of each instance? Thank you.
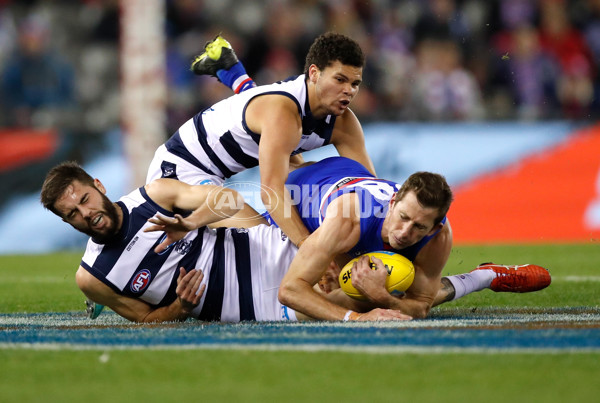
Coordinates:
(213, 302)
(176, 147)
(188, 262)
(241, 243)
(233, 148)
(208, 150)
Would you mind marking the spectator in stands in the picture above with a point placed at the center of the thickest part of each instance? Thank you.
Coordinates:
(36, 86)
(527, 72)
(442, 19)
(273, 43)
(567, 45)
(442, 88)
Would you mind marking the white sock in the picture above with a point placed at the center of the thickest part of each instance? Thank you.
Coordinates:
(470, 282)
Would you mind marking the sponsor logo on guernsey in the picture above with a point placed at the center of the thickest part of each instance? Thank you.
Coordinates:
(133, 241)
(140, 280)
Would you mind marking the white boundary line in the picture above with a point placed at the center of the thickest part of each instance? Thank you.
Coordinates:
(111, 320)
(577, 279)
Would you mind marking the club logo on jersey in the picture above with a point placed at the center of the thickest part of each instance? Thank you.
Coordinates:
(183, 247)
(168, 170)
(140, 280)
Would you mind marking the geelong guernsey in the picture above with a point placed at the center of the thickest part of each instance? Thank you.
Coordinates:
(242, 268)
(218, 141)
(314, 187)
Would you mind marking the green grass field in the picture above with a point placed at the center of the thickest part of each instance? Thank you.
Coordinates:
(30, 284)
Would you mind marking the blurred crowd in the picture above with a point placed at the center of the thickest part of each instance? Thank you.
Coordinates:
(427, 60)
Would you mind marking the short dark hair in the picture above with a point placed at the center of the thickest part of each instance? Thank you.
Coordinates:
(331, 47)
(58, 179)
(432, 191)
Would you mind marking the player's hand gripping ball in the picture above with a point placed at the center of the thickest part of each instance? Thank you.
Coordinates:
(401, 274)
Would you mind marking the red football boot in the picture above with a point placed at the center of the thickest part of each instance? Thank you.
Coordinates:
(517, 278)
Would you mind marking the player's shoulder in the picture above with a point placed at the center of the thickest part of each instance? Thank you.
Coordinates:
(436, 251)
(343, 209)
(348, 124)
(164, 191)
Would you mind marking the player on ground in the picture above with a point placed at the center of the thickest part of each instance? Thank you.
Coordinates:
(143, 271)
(352, 212)
(146, 275)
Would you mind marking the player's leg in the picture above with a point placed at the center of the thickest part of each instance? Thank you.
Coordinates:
(498, 278)
(219, 60)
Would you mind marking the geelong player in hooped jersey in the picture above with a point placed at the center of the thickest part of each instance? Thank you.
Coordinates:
(270, 125)
(238, 284)
(149, 276)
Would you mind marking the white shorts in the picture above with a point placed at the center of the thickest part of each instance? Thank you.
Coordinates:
(270, 264)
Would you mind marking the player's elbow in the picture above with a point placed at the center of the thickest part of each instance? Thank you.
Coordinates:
(269, 194)
(84, 281)
(265, 196)
(420, 311)
(289, 292)
(285, 293)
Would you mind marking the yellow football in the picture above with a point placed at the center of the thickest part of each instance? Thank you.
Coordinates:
(401, 274)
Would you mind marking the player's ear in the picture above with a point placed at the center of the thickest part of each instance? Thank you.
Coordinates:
(313, 73)
(99, 186)
(435, 228)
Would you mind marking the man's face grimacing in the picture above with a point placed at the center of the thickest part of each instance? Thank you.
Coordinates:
(407, 222)
(88, 210)
(335, 87)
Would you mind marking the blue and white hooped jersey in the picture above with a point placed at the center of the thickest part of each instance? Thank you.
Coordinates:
(242, 274)
(218, 141)
(315, 186)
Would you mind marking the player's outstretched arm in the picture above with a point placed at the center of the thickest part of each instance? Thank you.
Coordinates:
(207, 204)
(189, 291)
